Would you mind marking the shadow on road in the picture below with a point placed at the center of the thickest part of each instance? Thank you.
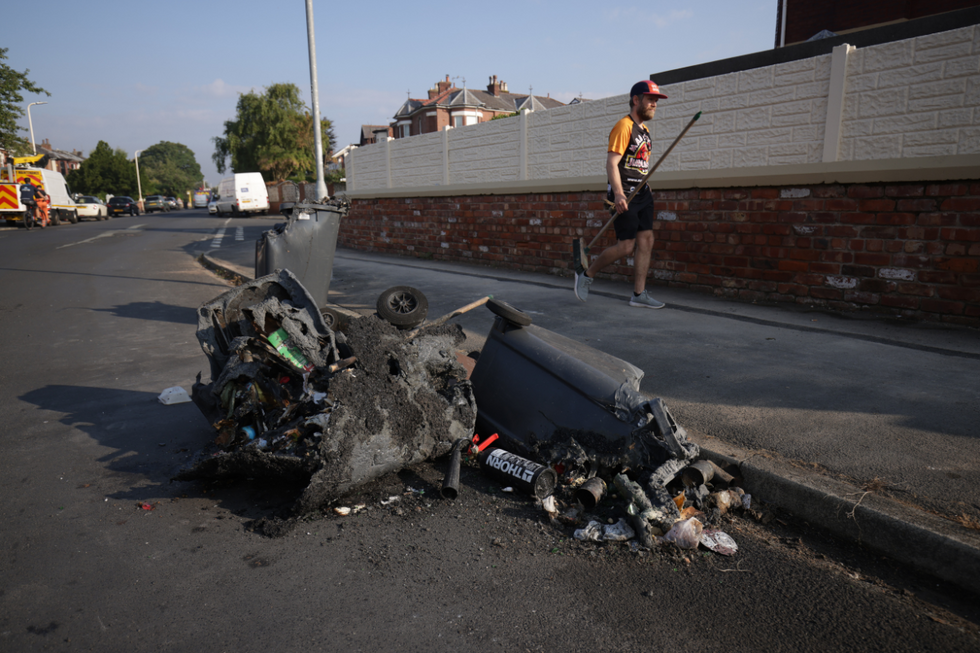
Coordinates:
(75, 273)
(157, 311)
(146, 442)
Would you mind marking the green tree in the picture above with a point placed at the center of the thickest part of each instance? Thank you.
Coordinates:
(107, 171)
(171, 168)
(272, 133)
(11, 85)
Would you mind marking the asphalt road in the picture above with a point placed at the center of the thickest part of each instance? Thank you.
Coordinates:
(100, 551)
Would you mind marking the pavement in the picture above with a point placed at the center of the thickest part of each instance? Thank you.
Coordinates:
(866, 427)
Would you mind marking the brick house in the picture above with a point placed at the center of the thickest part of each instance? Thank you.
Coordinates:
(369, 133)
(60, 160)
(458, 107)
(800, 20)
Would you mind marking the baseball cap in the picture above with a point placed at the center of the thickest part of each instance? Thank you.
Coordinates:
(646, 87)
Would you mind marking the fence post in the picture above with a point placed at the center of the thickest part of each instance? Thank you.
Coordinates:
(835, 102)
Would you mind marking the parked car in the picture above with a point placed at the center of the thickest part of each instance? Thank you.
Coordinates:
(121, 204)
(89, 206)
(156, 203)
(174, 203)
(213, 207)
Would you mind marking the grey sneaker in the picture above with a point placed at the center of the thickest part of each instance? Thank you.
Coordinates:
(644, 300)
(582, 285)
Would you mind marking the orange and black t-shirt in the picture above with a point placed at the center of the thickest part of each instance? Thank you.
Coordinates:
(632, 140)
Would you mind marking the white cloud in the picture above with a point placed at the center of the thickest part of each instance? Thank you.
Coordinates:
(145, 90)
(219, 89)
(639, 18)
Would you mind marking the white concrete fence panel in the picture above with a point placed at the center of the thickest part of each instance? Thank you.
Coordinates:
(898, 111)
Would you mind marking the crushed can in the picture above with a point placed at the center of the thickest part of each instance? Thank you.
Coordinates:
(525, 475)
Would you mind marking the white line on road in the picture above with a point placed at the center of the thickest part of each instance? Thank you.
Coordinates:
(239, 233)
(104, 234)
(216, 243)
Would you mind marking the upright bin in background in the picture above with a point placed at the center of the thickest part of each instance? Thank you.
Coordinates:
(305, 245)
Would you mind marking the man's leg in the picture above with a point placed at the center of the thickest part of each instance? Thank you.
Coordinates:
(611, 255)
(584, 281)
(641, 265)
(641, 260)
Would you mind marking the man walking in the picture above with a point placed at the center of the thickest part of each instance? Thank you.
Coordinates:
(627, 161)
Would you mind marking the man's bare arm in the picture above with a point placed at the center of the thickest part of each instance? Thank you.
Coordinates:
(612, 173)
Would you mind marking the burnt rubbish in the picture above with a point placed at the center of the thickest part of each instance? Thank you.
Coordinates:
(580, 411)
(289, 398)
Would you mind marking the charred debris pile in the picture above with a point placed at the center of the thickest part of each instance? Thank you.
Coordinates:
(291, 399)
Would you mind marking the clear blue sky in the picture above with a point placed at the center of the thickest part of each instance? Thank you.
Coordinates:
(134, 73)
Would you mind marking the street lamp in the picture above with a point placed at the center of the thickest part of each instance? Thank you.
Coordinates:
(31, 124)
(139, 186)
(321, 184)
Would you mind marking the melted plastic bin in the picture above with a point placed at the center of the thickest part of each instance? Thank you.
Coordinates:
(305, 245)
(539, 391)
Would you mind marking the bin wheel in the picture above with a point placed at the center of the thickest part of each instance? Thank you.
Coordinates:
(513, 315)
(333, 318)
(403, 306)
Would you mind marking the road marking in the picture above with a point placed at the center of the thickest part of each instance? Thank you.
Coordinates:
(216, 243)
(104, 234)
(240, 233)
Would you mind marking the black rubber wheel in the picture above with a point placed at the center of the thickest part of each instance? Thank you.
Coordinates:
(55, 218)
(333, 318)
(29, 219)
(73, 217)
(513, 315)
(403, 306)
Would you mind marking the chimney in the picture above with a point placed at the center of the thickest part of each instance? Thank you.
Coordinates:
(494, 87)
(45, 144)
(441, 87)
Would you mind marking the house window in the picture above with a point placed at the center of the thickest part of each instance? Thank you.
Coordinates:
(459, 121)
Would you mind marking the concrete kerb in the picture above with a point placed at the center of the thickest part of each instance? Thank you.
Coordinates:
(923, 541)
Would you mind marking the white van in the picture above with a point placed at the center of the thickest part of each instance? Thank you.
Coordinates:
(245, 192)
(201, 199)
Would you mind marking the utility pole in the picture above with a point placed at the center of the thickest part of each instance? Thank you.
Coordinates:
(321, 184)
(139, 186)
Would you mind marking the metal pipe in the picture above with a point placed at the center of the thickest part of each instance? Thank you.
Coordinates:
(450, 484)
(321, 184)
(782, 26)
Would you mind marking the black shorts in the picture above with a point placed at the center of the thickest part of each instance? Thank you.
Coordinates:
(639, 216)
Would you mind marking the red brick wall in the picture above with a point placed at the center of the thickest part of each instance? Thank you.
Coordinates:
(897, 249)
